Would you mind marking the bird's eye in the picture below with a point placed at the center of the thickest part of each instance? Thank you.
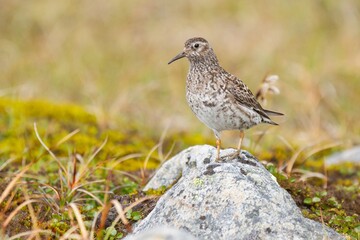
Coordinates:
(196, 45)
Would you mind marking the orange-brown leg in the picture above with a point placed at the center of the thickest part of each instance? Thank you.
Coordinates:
(218, 144)
(236, 154)
(242, 134)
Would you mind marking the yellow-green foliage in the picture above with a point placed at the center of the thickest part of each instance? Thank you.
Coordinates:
(54, 123)
(69, 130)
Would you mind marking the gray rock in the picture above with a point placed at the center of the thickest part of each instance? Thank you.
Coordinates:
(233, 199)
(162, 233)
(349, 155)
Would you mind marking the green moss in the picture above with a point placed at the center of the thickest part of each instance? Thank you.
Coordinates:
(54, 123)
(158, 192)
(330, 206)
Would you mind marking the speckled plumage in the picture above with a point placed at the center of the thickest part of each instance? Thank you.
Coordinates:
(219, 99)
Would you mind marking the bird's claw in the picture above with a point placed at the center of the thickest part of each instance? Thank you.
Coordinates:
(232, 156)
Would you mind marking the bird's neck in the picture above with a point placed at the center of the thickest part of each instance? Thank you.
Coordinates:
(203, 64)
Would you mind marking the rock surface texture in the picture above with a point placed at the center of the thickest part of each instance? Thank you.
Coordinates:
(162, 233)
(233, 199)
(349, 155)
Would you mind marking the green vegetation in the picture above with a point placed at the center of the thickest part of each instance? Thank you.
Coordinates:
(67, 130)
(128, 113)
(67, 158)
(337, 206)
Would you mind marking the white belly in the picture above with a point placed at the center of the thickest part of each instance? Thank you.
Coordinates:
(218, 115)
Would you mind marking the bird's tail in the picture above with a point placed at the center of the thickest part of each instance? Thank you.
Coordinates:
(273, 113)
(269, 121)
(265, 118)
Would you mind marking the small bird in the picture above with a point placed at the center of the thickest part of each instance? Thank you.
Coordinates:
(219, 99)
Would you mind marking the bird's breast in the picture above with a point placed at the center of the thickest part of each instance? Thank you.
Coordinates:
(208, 105)
(215, 106)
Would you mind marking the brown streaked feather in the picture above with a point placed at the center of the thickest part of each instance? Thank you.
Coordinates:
(265, 117)
(245, 97)
(242, 94)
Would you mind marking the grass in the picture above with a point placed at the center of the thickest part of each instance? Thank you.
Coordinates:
(53, 188)
(70, 170)
(112, 110)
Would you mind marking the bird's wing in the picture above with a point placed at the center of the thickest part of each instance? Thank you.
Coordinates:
(244, 97)
(242, 94)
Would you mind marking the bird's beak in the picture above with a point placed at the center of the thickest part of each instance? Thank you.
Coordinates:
(177, 57)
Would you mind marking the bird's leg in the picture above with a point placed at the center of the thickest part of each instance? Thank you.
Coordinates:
(242, 134)
(236, 154)
(218, 144)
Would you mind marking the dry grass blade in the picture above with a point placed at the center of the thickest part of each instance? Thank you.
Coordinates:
(13, 213)
(6, 163)
(138, 202)
(121, 213)
(67, 137)
(169, 152)
(73, 182)
(125, 158)
(292, 160)
(91, 195)
(80, 221)
(161, 144)
(104, 214)
(267, 86)
(142, 170)
(49, 151)
(161, 141)
(323, 147)
(52, 188)
(106, 208)
(9, 201)
(34, 219)
(149, 155)
(98, 150)
(286, 142)
(85, 167)
(260, 136)
(76, 236)
(69, 234)
(50, 200)
(121, 216)
(309, 174)
(12, 183)
(132, 176)
(325, 233)
(93, 226)
(18, 236)
(85, 184)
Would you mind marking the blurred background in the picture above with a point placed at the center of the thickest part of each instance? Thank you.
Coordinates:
(111, 58)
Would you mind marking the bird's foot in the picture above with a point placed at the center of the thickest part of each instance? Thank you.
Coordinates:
(232, 156)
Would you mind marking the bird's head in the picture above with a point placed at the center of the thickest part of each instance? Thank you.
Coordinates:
(196, 50)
